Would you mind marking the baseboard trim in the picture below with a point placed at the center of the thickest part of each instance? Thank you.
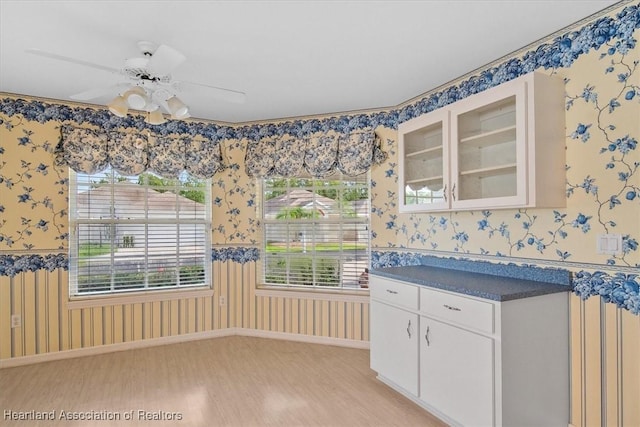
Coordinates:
(176, 339)
(310, 339)
(111, 348)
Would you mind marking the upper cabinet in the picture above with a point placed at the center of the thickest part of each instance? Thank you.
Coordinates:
(424, 165)
(501, 148)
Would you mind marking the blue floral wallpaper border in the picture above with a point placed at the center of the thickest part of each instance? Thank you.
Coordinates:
(561, 52)
(239, 255)
(620, 289)
(12, 265)
(43, 112)
(617, 288)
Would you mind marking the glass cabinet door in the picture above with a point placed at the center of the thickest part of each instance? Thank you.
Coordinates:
(489, 149)
(423, 151)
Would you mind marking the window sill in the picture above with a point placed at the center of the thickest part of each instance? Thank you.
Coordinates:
(315, 294)
(137, 297)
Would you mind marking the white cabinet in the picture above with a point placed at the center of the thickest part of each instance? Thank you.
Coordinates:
(501, 148)
(395, 345)
(454, 372)
(478, 362)
(394, 334)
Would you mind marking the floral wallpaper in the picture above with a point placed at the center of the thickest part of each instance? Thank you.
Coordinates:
(33, 191)
(234, 200)
(599, 63)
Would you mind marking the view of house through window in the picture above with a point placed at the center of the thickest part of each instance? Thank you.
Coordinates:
(316, 232)
(137, 233)
(422, 195)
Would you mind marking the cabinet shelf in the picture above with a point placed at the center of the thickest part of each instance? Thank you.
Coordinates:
(424, 180)
(491, 171)
(494, 137)
(428, 152)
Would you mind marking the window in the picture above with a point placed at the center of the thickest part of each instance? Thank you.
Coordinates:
(316, 232)
(422, 195)
(139, 233)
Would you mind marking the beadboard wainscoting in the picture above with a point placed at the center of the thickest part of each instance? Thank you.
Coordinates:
(605, 368)
(50, 329)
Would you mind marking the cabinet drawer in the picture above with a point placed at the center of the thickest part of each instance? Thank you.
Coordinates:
(395, 293)
(458, 309)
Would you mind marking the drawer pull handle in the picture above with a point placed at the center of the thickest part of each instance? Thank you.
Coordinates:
(426, 337)
(452, 308)
(392, 292)
(409, 329)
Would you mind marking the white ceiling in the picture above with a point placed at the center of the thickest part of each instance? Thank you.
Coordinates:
(291, 58)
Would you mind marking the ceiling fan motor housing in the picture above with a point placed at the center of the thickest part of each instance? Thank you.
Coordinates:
(146, 47)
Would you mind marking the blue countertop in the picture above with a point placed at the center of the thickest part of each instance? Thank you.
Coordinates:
(488, 286)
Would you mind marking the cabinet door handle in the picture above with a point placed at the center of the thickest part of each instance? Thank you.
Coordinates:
(452, 308)
(426, 337)
(392, 292)
(444, 193)
(409, 329)
(453, 192)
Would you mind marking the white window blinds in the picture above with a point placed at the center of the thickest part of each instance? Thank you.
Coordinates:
(138, 233)
(316, 232)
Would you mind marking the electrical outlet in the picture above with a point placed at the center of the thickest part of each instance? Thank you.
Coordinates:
(16, 321)
(223, 301)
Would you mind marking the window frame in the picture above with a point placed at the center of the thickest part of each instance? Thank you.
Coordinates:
(337, 293)
(91, 299)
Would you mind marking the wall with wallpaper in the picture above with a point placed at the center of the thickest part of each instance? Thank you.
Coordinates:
(602, 179)
(603, 184)
(599, 61)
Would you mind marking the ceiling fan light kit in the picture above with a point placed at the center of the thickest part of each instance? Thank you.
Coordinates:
(155, 117)
(177, 108)
(118, 106)
(137, 98)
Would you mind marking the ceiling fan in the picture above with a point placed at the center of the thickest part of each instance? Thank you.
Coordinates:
(149, 84)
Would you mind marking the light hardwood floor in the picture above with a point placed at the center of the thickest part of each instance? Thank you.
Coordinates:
(230, 381)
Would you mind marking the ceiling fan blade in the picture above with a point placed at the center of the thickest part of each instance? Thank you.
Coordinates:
(98, 92)
(164, 60)
(72, 60)
(223, 94)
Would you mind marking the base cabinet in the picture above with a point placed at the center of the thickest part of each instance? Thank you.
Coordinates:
(454, 372)
(394, 345)
(472, 361)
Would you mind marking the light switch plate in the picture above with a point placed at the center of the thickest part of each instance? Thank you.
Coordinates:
(610, 244)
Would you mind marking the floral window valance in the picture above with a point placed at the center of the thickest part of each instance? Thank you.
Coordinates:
(319, 155)
(91, 151)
